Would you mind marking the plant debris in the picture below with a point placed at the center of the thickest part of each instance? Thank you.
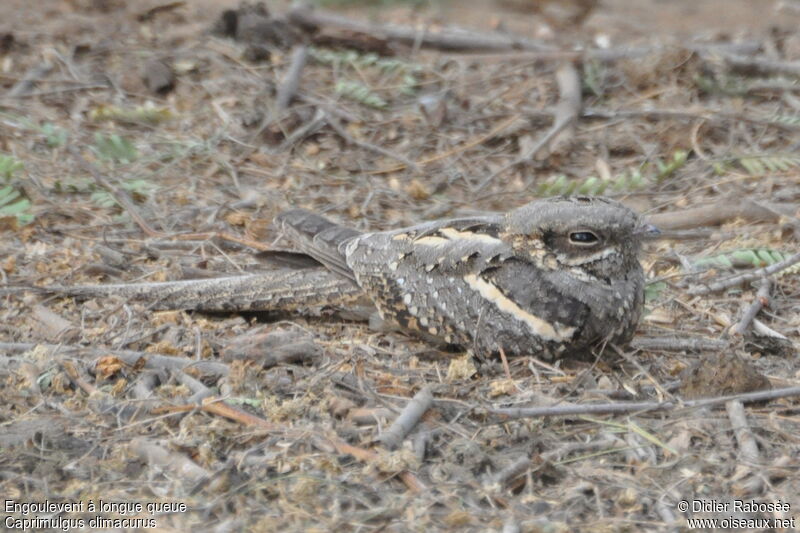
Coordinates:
(145, 149)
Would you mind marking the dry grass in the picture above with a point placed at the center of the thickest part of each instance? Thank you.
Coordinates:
(81, 423)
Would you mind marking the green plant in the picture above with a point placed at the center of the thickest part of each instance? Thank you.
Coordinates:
(653, 290)
(761, 165)
(360, 93)
(405, 72)
(560, 185)
(12, 202)
(146, 114)
(747, 257)
(139, 187)
(9, 165)
(629, 180)
(595, 75)
(114, 148)
(53, 135)
(666, 169)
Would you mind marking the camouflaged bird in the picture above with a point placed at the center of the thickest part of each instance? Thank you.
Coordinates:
(551, 278)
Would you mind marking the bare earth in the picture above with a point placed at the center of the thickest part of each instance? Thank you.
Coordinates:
(689, 112)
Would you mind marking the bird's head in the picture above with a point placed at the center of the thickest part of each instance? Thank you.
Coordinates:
(583, 234)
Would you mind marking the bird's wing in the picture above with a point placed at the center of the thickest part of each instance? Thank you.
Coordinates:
(318, 237)
(448, 247)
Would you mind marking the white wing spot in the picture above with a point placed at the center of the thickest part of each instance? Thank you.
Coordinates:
(351, 246)
(454, 234)
(431, 241)
(407, 299)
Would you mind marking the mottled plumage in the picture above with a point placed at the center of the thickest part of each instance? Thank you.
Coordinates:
(550, 278)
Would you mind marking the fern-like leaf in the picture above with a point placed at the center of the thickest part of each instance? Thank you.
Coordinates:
(747, 258)
(360, 93)
(762, 165)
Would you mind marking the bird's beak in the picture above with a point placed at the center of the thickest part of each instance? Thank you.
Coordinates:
(648, 231)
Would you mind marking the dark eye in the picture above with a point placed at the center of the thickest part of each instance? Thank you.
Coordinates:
(583, 237)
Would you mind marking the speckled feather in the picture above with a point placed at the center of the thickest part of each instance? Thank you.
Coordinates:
(513, 281)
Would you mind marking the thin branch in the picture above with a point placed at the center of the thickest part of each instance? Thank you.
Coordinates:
(333, 123)
(719, 213)
(448, 39)
(129, 357)
(761, 300)
(565, 114)
(28, 81)
(761, 66)
(678, 344)
(747, 276)
(606, 54)
(702, 114)
(748, 449)
(636, 407)
(408, 419)
(288, 89)
(121, 196)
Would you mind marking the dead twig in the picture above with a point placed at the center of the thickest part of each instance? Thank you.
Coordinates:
(215, 406)
(747, 276)
(748, 449)
(338, 128)
(678, 344)
(224, 236)
(635, 407)
(449, 39)
(761, 300)
(129, 357)
(159, 458)
(28, 81)
(565, 114)
(719, 213)
(288, 89)
(702, 114)
(511, 471)
(408, 419)
(471, 143)
(121, 196)
(319, 119)
(411, 481)
(606, 54)
(761, 66)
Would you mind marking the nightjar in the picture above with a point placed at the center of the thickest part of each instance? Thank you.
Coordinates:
(551, 278)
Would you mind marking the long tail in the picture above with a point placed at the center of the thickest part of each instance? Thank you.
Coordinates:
(318, 237)
(281, 290)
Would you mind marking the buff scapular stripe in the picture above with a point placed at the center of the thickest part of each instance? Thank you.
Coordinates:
(539, 327)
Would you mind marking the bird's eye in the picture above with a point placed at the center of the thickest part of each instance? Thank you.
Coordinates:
(583, 237)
